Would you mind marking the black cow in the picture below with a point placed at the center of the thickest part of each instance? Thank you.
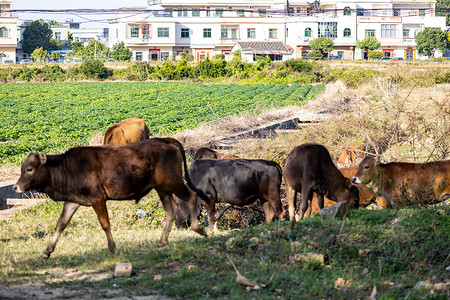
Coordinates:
(90, 176)
(309, 169)
(239, 182)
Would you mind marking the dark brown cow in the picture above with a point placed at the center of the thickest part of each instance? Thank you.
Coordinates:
(90, 176)
(128, 131)
(398, 181)
(309, 169)
(239, 182)
(366, 195)
(206, 153)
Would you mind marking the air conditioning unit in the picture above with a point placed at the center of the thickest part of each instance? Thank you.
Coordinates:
(306, 40)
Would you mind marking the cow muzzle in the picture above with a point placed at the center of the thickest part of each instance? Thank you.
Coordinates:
(17, 189)
(356, 180)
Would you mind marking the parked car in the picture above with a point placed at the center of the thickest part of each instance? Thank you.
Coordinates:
(26, 61)
(8, 62)
(335, 57)
(386, 58)
(398, 58)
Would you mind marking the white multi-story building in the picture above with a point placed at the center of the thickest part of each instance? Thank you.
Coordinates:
(8, 33)
(206, 28)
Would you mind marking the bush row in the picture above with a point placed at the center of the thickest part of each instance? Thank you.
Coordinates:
(219, 70)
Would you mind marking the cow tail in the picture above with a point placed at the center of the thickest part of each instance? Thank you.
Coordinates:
(200, 193)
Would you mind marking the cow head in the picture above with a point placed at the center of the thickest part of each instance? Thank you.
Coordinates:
(352, 194)
(367, 171)
(33, 173)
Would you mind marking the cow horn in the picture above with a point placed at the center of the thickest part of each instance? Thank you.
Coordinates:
(43, 157)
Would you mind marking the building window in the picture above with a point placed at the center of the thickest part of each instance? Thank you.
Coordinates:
(360, 12)
(3, 32)
(251, 33)
(405, 32)
(340, 53)
(168, 12)
(328, 29)
(208, 13)
(138, 56)
(134, 31)
(241, 13)
(262, 12)
(145, 32)
(396, 12)
(195, 13)
(224, 33)
(273, 33)
(219, 12)
(206, 32)
(182, 13)
(164, 55)
(388, 30)
(234, 33)
(184, 32)
(163, 32)
(309, 11)
(370, 32)
(347, 11)
(58, 36)
(347, 32)
(421, 12)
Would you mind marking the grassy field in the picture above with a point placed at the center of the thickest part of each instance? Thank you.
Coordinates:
(389, 254)
(55, 116)
(391, 250)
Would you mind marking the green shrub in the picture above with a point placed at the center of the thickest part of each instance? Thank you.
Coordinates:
(94, 68)
(375, 55)
(315, 55)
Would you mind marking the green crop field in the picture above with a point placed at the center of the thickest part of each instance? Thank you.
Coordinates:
(54, 116)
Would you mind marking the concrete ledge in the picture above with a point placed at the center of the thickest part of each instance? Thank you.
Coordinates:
(7, 192)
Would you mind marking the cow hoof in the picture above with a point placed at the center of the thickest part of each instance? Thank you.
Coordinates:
(45, 256)
(201, 231)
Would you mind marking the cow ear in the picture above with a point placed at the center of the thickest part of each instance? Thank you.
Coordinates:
(43, 157)
(348, 184)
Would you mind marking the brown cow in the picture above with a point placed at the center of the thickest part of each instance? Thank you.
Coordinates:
(206, 153)
(309, 169)
(366, 195)
(398, 181)
(351, 156)
(128, 131)
(90, 176)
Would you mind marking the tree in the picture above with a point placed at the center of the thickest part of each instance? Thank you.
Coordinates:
(431, 39)
(37, 35)
(322, 44)
(95, 50)
(120, 52)
(39, 55)
(369, 43)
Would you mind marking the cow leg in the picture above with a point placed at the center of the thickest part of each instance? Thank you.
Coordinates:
(291, 195)
(268, 211)
(102, 215)
(306, 198)
(170, 210)
(66, 215)
(320, 200)
(211, 213)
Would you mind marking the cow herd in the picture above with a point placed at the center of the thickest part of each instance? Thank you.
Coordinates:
(129, 165)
